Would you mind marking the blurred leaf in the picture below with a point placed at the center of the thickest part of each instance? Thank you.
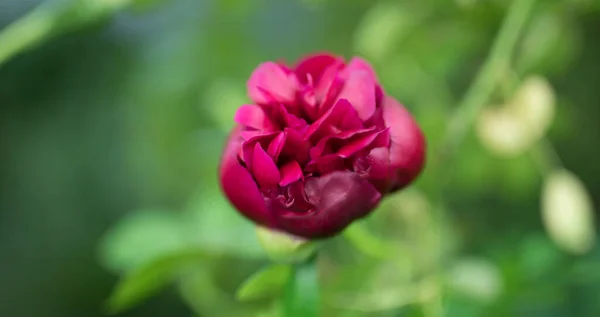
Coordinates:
(215, 226)
(273, 311)
(539, 257)
(313, 4)
(466, 4)
(383, 26)
(25, 32)
(50, 19)
(283, 247)
(550, 44)
(380, 286)
(148, 279)
(362, 239)
(379, 300)
(403, 75)
(586, 272)
(222, 99)
(143, 5)
(265, 283)
(567, 212)
(302, 292)
(141, 237)
(199, 291)
(477, 278)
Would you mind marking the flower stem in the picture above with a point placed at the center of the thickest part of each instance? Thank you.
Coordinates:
(483, 86)
(545, 157)
(301, 297)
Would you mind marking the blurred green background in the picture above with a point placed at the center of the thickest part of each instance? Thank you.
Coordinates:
(113, 114)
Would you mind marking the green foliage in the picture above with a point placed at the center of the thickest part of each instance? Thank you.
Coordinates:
(285, 248)
(150, 278)
(302, 294)
(364, 241)
(140, 238)
(114, 113)
(207, 219)
(266, 283)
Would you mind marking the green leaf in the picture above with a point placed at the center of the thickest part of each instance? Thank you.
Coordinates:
(360, 237)
(141, 237)
(301, 297)
(285, 248)
(215, 226)
(148, 279)
(382, 27)
(229, 95)
(264, 283)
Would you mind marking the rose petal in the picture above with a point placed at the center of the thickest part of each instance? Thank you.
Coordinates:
(315, 65)
(254, 117)
(375, 167)
(249, 134)
(247, 148)
(296, 147)
(269, 83)
(342, 116)
(328, 88)
(407, 149)
(338, 198)
(276, 146)
(290, 172)
(326, 164)
(358, 64)
(238, 185)
(329, 144)
(367, 142)
(359, 89)
(263, 168)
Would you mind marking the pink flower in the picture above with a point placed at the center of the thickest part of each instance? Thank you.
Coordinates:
(319, 147)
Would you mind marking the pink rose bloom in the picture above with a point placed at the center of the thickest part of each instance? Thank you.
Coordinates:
(319, 147)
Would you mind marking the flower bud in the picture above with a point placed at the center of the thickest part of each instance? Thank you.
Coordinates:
(319, 147)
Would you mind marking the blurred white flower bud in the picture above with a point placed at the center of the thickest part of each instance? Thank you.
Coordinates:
(567, 212)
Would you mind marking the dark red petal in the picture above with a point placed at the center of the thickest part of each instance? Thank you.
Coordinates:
(264, 169)
(326, 164)
(345, 116)
(375, 167)
(290, 172)
(407, 149)
(338, 199)
(238, 185)
(367, 142)
(247, 148)
(330, 143)
(296, 147)
(276, 146)
(342, 116)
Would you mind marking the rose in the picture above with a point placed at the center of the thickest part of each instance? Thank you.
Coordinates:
(319, 147)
